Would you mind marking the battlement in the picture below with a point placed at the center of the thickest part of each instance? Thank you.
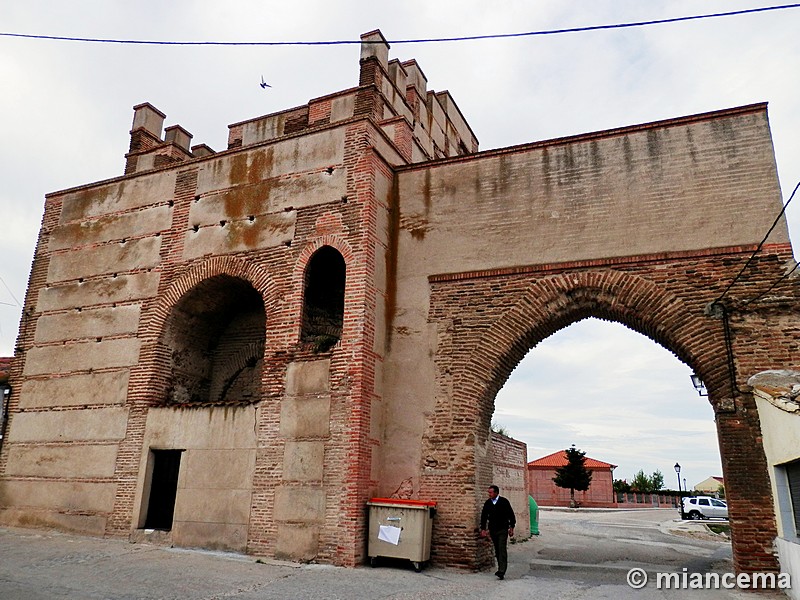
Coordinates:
(422, 124)
(149, 151)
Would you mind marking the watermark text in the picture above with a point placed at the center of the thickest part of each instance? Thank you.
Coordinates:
(685, 580)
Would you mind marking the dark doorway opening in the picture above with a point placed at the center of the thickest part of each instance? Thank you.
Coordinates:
(323, 308)
(163, 489)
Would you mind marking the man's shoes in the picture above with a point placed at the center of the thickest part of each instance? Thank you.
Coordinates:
(500, 575)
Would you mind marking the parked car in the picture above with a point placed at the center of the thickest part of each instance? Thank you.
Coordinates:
(704, 507)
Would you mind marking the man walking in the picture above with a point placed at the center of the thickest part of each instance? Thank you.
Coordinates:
(498, 521)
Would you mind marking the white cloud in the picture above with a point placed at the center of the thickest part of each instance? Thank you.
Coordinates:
(616, 395)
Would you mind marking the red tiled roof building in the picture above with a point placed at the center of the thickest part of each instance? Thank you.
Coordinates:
(546, 493)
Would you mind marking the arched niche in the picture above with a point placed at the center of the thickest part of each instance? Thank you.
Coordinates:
(214, 337)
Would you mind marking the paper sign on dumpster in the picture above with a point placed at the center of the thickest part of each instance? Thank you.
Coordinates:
(389, 533)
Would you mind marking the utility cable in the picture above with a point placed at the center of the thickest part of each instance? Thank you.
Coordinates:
(758, 248)
(726, 327)
(729, 356)
(772, 287)
(411, 40)
(10, 292)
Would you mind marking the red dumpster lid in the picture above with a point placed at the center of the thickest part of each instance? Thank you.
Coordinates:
(404, 502)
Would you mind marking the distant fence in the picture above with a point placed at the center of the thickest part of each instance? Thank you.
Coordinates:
(623, 500)
(643, 500)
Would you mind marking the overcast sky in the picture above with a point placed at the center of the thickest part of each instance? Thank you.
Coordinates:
(66, 113)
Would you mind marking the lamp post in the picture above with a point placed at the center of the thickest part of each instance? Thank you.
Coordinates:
(680, 495)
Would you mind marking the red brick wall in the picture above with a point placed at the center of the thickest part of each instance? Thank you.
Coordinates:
(547, 493)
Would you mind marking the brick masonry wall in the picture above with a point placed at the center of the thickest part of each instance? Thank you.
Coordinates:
(343, 218)
(547, 493)
(643, 225)
(488, 322)
(682, 185)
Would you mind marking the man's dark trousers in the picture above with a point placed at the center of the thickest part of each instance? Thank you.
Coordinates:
(500, 541)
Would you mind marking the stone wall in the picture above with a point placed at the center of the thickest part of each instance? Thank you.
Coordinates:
(509, 472)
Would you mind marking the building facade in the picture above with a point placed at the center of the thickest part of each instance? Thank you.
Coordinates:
(710, 485)
(546, 493)
(237, 349)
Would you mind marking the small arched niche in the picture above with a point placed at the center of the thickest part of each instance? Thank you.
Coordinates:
(323, 299)
(214, 337)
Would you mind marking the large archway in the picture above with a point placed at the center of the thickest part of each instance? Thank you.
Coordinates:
(616, 395)
(498, 318)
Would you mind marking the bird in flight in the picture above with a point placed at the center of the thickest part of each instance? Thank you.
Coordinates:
(264, 84)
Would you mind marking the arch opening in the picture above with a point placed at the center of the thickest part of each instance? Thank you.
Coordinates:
(323, 298)
(619, 396)
(496, 322)
(215, 338)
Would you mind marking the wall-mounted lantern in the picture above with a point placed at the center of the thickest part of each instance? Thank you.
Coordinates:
(699, 385)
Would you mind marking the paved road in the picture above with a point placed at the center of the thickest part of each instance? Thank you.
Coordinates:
(579, 556)
(652, 539)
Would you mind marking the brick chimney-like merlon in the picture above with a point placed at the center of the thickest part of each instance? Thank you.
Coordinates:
(148, 117)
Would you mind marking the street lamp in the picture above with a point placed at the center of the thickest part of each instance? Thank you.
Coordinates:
(680, 496)
(699, 385)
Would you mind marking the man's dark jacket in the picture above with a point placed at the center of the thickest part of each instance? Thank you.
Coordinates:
(500, 516)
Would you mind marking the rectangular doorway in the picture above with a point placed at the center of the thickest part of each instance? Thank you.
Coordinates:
(163, 489)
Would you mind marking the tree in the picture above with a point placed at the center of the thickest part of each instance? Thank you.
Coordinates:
(647, 485)
(657, 481)
(621, 486)
(574, 475)
(642, 483)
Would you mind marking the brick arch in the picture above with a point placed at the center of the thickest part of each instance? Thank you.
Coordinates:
(310, 249)
(258, 277)
(471, 368)
(154, 357)
(637, 303)
(149, 374)
(335, 241)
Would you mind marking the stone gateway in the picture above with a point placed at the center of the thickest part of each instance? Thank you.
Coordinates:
(237, 349)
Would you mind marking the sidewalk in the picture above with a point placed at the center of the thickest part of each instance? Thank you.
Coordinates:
(43, 565)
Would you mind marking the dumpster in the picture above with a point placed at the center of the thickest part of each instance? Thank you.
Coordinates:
(400, 529)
